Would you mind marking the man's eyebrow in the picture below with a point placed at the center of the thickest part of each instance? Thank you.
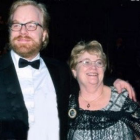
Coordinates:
(15, 21)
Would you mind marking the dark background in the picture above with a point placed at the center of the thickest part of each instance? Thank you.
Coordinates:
(114, 23)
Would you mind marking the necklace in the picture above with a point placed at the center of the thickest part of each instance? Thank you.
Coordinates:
(88, 103)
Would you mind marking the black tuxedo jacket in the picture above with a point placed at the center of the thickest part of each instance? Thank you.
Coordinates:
(13, 113)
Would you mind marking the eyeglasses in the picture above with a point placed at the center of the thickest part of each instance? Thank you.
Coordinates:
(30, 26)
(87, 63)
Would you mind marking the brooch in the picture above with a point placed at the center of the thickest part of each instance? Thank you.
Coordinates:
(72, 113)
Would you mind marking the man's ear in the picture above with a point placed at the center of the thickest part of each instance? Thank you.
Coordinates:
(45, 35)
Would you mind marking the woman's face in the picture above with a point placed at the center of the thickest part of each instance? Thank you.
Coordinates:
(88, 75)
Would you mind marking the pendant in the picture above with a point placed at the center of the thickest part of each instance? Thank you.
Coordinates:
(88, 105)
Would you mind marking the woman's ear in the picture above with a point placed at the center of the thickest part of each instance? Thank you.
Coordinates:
(74, 73)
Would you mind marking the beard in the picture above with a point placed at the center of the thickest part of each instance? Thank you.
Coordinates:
(26, 50)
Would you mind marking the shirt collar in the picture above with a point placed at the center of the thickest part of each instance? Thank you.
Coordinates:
(16, 57)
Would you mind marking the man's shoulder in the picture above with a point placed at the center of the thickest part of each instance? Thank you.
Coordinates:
(54, 62)
(5, 60)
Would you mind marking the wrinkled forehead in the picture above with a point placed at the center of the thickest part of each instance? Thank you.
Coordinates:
(27, 13)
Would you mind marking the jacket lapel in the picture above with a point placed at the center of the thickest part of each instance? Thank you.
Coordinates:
(11, 88)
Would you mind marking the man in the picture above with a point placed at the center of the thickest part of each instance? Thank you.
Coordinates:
(28, 89)
(34, 90)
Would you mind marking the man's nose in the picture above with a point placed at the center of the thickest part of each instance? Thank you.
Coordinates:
(23, 30)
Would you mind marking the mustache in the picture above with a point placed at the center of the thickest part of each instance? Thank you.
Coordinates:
(20, 37)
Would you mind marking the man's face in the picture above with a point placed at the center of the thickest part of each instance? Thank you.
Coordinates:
(27, 43)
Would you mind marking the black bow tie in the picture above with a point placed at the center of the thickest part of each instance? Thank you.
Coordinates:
(23, 63)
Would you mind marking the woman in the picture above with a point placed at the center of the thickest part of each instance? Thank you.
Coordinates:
(98, 112)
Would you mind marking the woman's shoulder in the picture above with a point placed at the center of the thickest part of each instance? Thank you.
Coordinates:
(114, 91)
(117, 100)
(122, 101)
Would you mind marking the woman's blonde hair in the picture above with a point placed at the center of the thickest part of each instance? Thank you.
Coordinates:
(92, 47)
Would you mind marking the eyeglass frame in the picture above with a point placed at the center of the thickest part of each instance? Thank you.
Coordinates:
(24, 24)
(91, 63)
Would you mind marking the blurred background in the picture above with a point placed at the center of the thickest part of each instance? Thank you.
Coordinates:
(114, 23)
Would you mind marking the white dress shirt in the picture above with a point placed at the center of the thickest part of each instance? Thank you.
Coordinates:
(40, 100)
